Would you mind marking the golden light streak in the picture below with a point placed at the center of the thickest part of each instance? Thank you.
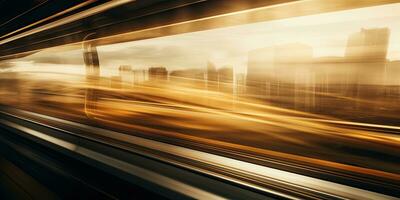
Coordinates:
(240, 89)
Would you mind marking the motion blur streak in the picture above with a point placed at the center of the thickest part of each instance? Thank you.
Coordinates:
(68, 19)
(143, 173)
(191, 110)
(320, 91)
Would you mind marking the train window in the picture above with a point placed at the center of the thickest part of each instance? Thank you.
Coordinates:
(316, 89)
(316, 86)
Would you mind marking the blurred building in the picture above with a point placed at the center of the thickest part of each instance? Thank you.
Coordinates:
(225, 79)
(368, 45)
(158, 73)
(289, 74)
(366, 53)
(260, 71)
(126, 74)
(189, 77)
(212, 76)
(240, 84)
(273, 71)
(392, 78)
(331, 70)
(125, 68)
(393, 73)
(330, 75)
(139, 76)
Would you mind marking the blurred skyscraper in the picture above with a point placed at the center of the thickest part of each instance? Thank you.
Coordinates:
(368, 45)
(158, 73)
(366, 53)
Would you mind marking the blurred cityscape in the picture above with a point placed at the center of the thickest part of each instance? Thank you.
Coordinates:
(202, 99)
(288, 101)
(290, 76)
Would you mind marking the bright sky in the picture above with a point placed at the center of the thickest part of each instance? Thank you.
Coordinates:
(326, 33)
